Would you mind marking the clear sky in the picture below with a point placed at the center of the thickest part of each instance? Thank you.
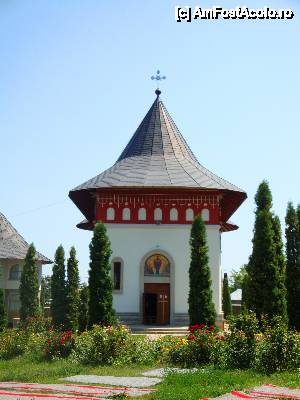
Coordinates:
(75, 84)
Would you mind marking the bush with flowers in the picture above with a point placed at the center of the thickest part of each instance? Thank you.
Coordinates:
(193, 350)
(237, 349)
(58, 344)
(12, 343)
(278, 349)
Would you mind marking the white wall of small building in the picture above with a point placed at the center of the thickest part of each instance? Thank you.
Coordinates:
(132, 243)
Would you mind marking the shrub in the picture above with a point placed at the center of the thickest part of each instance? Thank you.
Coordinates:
(101, 345)
(194, 350)
(278, 349)
(237, 350)
(59, 344)
(12, 343)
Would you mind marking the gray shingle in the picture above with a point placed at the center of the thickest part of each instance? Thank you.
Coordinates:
(157, 155)
(12, 244)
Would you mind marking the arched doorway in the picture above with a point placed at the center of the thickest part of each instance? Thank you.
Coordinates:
(157, 270)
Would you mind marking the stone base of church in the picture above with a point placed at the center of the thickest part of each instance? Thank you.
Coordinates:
(180, 319)
(129, 318)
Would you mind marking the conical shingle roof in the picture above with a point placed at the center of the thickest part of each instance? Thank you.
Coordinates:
(156, 156)
(12, 244)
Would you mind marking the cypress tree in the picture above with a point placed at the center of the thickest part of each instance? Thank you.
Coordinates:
(281, 265)
(29, 286)
(72, 292)
(265, 295)
(226, 299)
(293, 265)
(58, 289)
(3, 317)
(201, 307)
(83, 308)
(100, 306)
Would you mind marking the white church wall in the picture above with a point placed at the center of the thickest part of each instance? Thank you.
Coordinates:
(133, 242)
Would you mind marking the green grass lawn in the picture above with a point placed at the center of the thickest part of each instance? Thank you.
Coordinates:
(215, 383)
(210, 383)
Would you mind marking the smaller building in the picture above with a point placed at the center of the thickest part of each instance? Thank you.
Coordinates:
(236, 301)
(13, 249)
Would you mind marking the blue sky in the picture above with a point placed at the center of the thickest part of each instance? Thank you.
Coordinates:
(75, 84)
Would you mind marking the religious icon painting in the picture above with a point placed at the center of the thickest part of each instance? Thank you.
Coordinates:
(157, 265)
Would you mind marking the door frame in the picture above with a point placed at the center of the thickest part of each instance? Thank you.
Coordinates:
(161, 279)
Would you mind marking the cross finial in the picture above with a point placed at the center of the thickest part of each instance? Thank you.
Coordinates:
(158, 78)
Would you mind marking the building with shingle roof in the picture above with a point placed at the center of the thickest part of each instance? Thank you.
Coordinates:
(148, 200)
(13, 249)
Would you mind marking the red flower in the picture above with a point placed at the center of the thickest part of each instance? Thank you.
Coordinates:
(62, 341)
(49, 341)
(191, 337)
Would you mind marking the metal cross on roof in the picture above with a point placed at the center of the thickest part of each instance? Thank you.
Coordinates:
(158, 77)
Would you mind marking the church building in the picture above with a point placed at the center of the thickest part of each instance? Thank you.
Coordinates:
(147, 201)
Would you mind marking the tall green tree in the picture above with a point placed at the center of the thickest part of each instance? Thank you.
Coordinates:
(100, 284)
(72, 292)
(3, 316)
(236, 278)
(45, 295)
(58, 289)
(292, 234)
(29, 286)
(281, 265)
(265, 294)
(83, 308)
(201, 306)
(226, 299)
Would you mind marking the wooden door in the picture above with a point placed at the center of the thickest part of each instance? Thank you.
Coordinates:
(162, 296)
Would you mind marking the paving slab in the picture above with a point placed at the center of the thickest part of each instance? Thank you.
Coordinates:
(7, 395)
(138, 382)
(276, 391)
(162, 372)
(78, 390)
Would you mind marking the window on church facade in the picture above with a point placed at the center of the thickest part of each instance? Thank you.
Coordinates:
(117, 275)
(173, 214)
(157, 265)
(110, 214)
(126, 214)
(158, 214)
(15, 273)
(189, 214)
(142, 215)
(205, 214)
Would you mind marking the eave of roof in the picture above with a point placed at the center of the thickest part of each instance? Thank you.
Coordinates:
(13, 246)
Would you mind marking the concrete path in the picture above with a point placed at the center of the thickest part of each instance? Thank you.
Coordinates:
(127, 381)
(162, 372)
(264, 392)
(67, 390)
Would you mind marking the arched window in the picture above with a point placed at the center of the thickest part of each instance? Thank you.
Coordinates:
(15, 273)
(205, 214)
(110, 214)
(142, 214)
(126, 214)
(189, 214)
(173, 214)
(158, 214)
(117, 274)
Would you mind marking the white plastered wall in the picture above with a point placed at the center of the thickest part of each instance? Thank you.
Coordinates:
(132, 242)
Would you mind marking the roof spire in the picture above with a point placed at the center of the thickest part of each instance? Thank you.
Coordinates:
(158, 78)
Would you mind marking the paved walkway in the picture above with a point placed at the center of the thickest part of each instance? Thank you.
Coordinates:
(264, 392)
(67, 391)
